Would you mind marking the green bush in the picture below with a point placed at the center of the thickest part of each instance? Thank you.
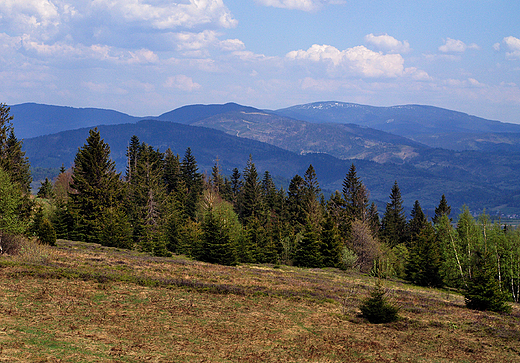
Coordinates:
(377, 309)
(483, 291)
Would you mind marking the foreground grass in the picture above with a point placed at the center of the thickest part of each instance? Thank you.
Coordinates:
(87, 303)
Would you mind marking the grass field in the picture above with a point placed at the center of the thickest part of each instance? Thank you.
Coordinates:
(81, 302)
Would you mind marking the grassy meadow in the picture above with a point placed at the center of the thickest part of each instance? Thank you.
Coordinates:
(80, 302)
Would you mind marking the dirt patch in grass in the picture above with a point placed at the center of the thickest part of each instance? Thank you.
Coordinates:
(95, 304)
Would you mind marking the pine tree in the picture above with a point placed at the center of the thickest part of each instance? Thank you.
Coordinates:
(393, 225)
(373, 220)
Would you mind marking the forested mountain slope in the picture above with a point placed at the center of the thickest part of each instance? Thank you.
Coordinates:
(426, 182)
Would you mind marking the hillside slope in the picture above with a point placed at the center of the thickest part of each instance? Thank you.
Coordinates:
(82, 302)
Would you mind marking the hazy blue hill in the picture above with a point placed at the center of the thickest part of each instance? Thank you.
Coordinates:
(193, 113)
(32, 119)
(426, 184)
(418, 122)
(339, 140)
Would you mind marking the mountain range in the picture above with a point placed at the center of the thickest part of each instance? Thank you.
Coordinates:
(428, 150)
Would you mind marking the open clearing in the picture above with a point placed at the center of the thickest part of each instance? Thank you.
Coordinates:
(83, 302)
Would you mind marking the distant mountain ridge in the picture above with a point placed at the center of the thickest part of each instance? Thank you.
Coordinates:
(424, 124)
(485, 175)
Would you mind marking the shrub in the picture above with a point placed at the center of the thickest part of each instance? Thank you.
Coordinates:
(483, 291)
(377, 309)
(10, 244)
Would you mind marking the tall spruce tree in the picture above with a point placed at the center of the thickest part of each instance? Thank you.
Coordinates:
(192, 181)
(442, 209)
(424, 264)
(393, 225)
(355, 195)
(250, 201)
(12, 159)
(418, 221)
(96, 187)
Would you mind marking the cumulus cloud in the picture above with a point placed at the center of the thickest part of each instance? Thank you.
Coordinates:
(388, 43)
(352, 61)
(456, 46)
(59, 19)
(304, 5)
(513, 44)
(182, 82)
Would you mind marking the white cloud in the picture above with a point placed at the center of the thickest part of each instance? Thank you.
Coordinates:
(168, 14)
(304, 5)
(182, 82)
(496, 46)
(417, 74)
(352, 61)
(456, 46)
(513, 45)
(85, 21)
(388, 43)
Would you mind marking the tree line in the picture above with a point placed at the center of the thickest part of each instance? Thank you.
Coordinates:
(164, 205)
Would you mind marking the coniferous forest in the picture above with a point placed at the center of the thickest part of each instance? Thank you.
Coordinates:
(163, 204)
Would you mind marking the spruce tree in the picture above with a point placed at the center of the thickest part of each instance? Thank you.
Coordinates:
(393, 225)
(96, 186)
(11, 222)
(424, 263)
(12, 159)
(330, 246)
(308, 249)
(483, 290)
(192, 181)
(297, 203)
(417, 222)
(251, 202)
(355, 195)
(46, 189)
(442, 209)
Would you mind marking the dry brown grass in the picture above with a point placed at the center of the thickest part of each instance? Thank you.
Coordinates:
(87, 303)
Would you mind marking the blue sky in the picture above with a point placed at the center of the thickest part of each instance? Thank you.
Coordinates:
(146, 57)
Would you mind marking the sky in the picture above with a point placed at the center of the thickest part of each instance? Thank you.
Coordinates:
(147, 57)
